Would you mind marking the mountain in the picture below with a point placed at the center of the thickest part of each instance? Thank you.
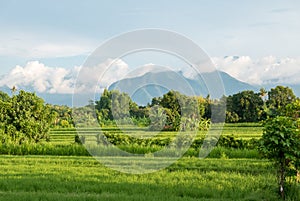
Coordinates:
(143, 88)
(153, 84)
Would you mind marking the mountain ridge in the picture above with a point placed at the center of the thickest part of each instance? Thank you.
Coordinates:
(143, 91)
(145, 94)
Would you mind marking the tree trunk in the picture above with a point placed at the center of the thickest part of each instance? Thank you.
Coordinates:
(282, 179)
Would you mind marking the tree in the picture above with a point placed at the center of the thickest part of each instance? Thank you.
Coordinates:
(171, 100)
(114, 105)
(25, 117)
(202, 105)
(4, 96)
(177, 106)
(104, 105)
(84, 117)
(13, 90)
(158, 118)
(278, 98)
(263, 92)
(247, 105)
(281, 143)
(62, 116)
(217, 109)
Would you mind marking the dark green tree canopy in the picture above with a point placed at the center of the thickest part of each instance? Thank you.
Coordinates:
(247, 105)
(278, 98)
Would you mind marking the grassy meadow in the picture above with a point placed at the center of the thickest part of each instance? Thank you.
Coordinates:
(238, 130)
(63, 170)
(84, 178)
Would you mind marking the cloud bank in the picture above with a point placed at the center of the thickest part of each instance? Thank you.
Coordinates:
(266, 70)
(38, 77)
(41, 78)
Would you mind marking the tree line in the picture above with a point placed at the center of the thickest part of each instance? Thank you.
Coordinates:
(245, 106)
(26, 117)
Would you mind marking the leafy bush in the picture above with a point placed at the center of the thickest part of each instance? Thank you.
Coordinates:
(24, 118)
(79, 139)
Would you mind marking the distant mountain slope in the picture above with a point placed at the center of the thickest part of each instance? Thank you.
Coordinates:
(232, 85)
(143, 88)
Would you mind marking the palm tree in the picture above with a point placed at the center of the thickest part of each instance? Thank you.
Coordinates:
(13, 90)
(158, 118)
(263, 92)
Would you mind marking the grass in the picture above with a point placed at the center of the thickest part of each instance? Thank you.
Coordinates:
(239, 130)
(84, 178)
(243, 130)
(226, 174)
(80, 150)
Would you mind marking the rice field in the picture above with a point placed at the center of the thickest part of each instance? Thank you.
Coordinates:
(239, 130)
(50, 174)
(84, 178)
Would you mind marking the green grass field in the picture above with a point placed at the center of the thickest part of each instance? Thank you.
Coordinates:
(238, 130)
(84, 178)
(227, 174)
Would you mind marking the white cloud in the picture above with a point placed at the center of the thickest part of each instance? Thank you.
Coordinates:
(261, 71)
(45, 79)
(41, 78)
(146, 68)
(96, 78)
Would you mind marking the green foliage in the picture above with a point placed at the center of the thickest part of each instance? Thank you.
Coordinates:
(182, 112)
(24, 117)
(280, 139)
(114, 105)
(232, 117)
(140, 112)
(204, 124)
(79, 139)
(141, 122)
(281, 143)
(62, 116)
(4, 97)
(158, 118)
(293, 109)
(84, 178)
(84, 117)
(43, 149)
(245, 106)
(278, 98)
(64, 124)
(217, 110)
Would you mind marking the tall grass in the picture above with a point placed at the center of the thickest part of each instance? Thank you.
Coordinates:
(98, 150)
(83, 178)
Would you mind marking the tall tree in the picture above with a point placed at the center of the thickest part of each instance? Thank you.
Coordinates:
(281, 143)
(114, 105)
(25, 117)
(278, 98)
(247, 105)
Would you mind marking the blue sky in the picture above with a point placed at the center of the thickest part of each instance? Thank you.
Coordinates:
(63, 33)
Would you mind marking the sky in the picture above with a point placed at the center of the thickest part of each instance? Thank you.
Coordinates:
(44, 43)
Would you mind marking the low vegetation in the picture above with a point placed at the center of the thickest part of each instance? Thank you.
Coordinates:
(84, 178)
(257, 128)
